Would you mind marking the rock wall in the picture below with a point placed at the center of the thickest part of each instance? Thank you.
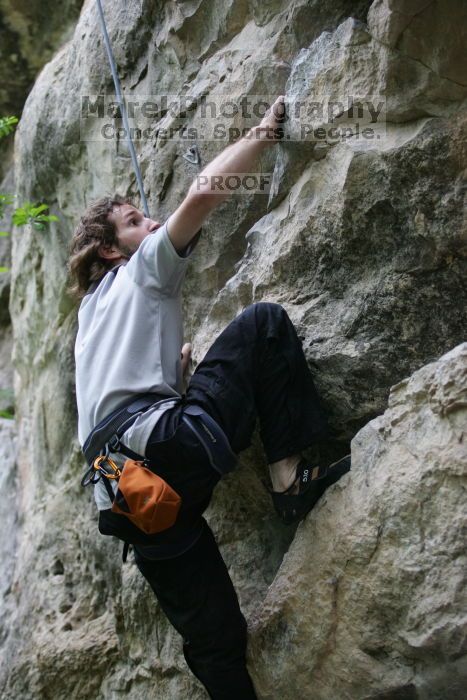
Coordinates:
(370, 599)
(365, 246)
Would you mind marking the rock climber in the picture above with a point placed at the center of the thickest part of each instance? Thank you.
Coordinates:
(128, 271)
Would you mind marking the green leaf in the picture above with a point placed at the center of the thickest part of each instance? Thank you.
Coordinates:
(30, 213)
(4, 233)
(19, 218)
(4, 269)
(37, 210)
(7, 125)
(7, 414)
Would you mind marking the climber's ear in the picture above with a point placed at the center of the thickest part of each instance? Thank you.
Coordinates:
(108, 252)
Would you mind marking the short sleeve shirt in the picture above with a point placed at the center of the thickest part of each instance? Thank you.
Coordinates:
(130, 334)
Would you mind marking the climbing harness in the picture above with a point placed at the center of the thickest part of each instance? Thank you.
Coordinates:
(136, 492)
(140, 495)
(105, 438)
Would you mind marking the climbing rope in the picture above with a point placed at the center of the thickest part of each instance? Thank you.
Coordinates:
(118, 93)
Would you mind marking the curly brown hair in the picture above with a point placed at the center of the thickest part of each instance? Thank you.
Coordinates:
(94, 228)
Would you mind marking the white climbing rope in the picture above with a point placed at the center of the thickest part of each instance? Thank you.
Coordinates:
(119, 96)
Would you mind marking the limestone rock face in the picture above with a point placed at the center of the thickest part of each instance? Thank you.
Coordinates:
(370, 599)
(6, 186)
(364, 243)
(10, 530)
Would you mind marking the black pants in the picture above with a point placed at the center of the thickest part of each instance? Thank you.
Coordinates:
(255, 369)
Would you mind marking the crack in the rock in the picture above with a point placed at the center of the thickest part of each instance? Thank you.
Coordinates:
(421, 525)
(406, 55)
(158, 641)
(379, 533)
(441, 77)
(416, 13)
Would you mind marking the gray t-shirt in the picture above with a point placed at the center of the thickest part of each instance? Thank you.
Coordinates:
(130, 334)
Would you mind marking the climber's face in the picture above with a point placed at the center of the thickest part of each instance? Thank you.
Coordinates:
(132, 227)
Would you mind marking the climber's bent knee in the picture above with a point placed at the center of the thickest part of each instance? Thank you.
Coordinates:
(265, 307)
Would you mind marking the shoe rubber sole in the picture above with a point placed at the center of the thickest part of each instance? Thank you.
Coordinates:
(314, 481)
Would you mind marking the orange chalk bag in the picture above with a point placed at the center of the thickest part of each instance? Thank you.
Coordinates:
(142, 496)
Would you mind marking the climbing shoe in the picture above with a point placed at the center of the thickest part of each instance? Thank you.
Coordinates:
(313, 482)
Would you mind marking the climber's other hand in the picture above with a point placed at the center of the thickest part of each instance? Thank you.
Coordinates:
(186, 357)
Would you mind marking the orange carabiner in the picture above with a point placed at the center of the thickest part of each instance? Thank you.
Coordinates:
(98, 467)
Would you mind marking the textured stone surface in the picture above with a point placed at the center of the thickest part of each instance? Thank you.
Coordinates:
(370, 599)
(7, 185)
(366, 249)
(10, 531)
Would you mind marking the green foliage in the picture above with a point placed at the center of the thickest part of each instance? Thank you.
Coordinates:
(7, 398)
(6, 125)
(30, 213)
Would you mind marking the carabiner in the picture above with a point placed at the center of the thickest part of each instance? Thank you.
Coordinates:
(104, 459)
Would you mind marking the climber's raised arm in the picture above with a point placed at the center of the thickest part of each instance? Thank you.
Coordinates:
(239, 157)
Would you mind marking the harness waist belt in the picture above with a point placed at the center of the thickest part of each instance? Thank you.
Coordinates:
(207, 430)
(117, 422)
